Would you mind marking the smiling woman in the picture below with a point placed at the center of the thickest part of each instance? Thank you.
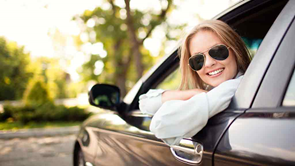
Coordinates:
(218, 64)
(213, 56)
(200, 40)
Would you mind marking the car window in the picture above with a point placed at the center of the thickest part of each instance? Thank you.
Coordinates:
(289, 99)
(248, 25)
(254, 24)
(252, 45)
(171, 82)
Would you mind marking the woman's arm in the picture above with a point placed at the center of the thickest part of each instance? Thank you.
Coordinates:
(177, 119)
(180, 94)
(150, 102)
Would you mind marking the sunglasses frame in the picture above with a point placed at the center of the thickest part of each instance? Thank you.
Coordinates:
(202, 53)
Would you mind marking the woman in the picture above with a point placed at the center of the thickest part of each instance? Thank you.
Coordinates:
(213, 56)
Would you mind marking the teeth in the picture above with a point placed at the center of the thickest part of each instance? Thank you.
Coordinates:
(215, 72)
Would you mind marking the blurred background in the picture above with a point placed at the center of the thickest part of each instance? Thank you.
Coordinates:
(53, 51)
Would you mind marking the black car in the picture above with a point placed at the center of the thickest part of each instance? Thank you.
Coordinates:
(256, 129)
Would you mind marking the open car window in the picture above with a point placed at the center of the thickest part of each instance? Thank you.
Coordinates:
(252, 26)
(171, 82)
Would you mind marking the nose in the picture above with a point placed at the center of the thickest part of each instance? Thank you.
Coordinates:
(209, 62)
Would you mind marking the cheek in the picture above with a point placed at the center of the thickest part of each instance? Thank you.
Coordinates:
(201, 73)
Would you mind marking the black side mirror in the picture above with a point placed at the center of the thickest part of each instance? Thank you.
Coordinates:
(104, 96)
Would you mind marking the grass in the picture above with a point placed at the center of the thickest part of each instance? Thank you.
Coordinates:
(30, 125)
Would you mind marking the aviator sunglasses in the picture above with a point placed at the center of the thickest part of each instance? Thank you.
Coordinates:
(218, 52)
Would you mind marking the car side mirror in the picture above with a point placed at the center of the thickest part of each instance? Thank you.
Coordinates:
(104, 96)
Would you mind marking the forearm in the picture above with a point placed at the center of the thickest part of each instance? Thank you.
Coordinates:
(150, 102)
(177, 119)
(180, 94)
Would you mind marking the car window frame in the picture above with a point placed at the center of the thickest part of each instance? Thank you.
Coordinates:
(249, 86)
(290, 91)
(273, 87)
(163, 69)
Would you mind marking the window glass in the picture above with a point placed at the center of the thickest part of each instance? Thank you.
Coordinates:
(252, 45)
(289, 99)
(171, 82)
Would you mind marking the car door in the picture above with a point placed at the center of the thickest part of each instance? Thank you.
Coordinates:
(208, 138)
(263, 135)
(124, 138)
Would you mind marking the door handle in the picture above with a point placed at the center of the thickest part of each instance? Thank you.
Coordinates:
(188, 151)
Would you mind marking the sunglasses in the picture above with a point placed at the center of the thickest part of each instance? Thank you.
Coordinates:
(219, 52)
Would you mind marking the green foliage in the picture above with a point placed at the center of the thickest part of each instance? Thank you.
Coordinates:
(17, 69)
(115, 40)
(56, 78)
(20, 125)
(37, 92)
(13, 66)
(50, 77)
(89, 67)
(114, 31)
(46, 112)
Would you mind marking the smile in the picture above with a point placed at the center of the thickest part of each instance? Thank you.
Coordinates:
(215, 72)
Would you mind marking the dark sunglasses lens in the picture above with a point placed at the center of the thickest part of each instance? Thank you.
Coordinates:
(196, 62)
(219, 52)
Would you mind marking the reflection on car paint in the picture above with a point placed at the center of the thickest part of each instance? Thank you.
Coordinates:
(260, 138)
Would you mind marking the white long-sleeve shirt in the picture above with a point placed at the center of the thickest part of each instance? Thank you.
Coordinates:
(177, 119)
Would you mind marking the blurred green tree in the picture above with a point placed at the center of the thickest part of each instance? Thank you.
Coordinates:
(14, 75)
(37, 92)
(122, 31)
(52, 76)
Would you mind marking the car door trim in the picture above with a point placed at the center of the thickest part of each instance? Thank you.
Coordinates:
(273, 87)
(255, 73)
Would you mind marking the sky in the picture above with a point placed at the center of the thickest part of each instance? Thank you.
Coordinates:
(29, 23)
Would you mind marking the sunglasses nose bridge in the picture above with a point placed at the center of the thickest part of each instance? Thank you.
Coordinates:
(209, 61)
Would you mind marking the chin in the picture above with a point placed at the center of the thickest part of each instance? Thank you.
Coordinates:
(216, 83)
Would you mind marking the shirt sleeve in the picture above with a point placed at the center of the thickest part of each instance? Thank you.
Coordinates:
(177, 119)
(150, 102)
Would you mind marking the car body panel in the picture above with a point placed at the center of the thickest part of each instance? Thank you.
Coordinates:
(210, 135)
(259, 138)
(120, 143)
(88, 147)
(107, 136)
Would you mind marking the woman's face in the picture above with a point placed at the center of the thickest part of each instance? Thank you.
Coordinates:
(213, 72)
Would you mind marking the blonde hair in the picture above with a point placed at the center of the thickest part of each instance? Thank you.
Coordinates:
(190, 78)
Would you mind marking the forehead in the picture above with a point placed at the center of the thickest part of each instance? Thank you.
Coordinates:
(202, 41)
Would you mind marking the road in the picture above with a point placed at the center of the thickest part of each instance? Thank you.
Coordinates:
(45, 151)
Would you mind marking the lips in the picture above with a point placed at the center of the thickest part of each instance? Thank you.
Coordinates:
(215, 72)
